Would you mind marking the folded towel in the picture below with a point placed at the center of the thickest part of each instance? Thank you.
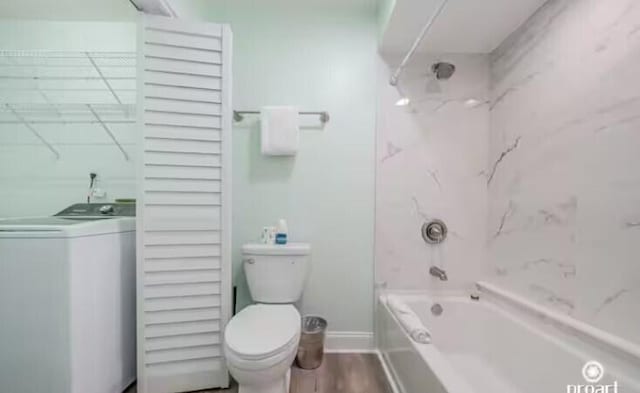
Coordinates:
(398, 305)
(409, 320)
(279, 130)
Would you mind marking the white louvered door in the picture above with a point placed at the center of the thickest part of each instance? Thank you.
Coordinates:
(184, 203)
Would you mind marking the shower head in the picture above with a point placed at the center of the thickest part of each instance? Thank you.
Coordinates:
(443, 70)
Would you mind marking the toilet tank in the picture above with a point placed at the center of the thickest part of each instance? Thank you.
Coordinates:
(276, 273)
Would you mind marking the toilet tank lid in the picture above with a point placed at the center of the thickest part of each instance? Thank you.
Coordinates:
(276, 249)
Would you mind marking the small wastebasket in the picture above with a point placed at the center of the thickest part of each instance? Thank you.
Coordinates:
(311, 346)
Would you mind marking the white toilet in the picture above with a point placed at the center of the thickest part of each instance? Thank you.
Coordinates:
(261, 341)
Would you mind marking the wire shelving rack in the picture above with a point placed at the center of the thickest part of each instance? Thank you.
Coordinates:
(55, 87)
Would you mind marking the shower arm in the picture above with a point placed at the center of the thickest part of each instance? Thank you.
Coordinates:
(396, 75)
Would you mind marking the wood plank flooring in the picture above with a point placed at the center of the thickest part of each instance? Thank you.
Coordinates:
(342, 373)
(339, 373)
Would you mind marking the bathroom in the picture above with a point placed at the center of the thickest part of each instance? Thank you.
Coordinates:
(484, 153)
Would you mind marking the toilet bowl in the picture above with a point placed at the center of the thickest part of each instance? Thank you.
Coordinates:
(260, 345)
(261, 341)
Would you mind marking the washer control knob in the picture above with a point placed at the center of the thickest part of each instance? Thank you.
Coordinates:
(107, 209)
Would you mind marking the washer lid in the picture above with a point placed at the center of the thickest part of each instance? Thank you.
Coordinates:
(29, 222)
(64, 227)
(262, 330)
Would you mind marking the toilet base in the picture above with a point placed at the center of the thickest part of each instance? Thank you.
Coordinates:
(280, 385)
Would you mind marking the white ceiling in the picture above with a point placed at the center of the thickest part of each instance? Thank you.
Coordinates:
(465, 26)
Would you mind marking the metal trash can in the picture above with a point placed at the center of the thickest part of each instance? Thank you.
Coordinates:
(311, 348)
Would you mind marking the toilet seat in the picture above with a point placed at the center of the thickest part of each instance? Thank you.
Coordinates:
(261, 364)
(262, 335)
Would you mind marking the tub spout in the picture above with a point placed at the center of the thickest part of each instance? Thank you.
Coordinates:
(437, 272)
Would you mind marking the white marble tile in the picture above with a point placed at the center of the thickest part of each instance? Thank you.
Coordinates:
(431, 160)
(563, 178)
(540, 186)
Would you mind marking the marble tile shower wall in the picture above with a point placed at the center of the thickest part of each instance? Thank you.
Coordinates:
(564, 162)
(430, 163)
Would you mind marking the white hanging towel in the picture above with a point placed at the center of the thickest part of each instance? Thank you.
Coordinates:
(280, 131)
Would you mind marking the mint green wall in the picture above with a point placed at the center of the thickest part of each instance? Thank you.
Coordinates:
(33, 34)
(319, 59)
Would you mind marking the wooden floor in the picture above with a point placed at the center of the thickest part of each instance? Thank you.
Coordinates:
(342, 373)
(339, 373)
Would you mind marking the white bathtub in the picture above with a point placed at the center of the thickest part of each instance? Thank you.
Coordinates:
(491, 346)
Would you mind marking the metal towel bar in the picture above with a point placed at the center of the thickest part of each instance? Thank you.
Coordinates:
(239, 115)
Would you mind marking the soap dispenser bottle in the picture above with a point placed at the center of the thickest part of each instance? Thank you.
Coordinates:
(281, 232)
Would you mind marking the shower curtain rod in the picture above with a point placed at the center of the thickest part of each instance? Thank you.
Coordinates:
(396, 75)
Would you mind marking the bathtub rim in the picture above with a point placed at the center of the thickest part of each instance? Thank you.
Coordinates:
(579, 344)
(507, 299)
(615, 345)
(446, 374)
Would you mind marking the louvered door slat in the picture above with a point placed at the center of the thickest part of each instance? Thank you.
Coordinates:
(183, 204)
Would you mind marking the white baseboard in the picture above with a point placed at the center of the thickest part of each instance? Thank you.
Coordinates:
(340, 341)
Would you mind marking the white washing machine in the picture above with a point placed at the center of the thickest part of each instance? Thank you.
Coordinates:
(68, 301)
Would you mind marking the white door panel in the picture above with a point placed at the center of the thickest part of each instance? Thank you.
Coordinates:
(184, 203)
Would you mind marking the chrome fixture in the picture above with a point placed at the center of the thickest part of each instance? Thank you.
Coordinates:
(443, 70)
(434, 232)
(437, 309)
(239, 115)
(438, 273)
(396, 75)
